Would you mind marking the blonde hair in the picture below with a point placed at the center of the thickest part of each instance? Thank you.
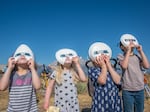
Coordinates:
(59, 72)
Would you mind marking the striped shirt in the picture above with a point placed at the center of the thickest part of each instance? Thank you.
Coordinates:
(22, 96)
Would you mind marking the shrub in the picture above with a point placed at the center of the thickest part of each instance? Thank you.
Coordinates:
(81, 87)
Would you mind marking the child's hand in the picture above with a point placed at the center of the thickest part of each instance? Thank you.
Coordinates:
(139, 48)
(131, 46)
(45, 106)
(107, 59)
(31, 64)
(11, 63)
(75, 60)
(100, 61)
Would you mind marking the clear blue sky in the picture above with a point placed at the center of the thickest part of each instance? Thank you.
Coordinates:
(47, 26)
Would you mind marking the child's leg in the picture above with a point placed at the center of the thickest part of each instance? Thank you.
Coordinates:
(128, 101)
(139, 101)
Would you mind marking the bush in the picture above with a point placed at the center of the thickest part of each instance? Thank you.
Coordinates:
(81, 87)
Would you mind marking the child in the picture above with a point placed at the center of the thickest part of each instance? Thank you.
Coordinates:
(22, 79)
(64, 78)
(132, 77)
(105, 80)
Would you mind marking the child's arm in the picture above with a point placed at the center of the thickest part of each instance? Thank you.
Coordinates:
(48, 93)
(4, 82)
(79, 70)
(145, 61)
(103, 76)
(115, 76)
(125, 61)
(99, 61)
(35, 78)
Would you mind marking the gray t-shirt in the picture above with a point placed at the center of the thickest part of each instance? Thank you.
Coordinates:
(22, 96)
(132, 77)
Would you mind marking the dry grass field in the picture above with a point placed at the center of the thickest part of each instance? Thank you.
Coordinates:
(84, 99)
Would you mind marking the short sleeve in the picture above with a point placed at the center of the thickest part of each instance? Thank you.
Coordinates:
(120, 57)
(53, 75)
(93, 74)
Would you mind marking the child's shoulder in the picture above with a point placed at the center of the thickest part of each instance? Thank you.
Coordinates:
(120, 56)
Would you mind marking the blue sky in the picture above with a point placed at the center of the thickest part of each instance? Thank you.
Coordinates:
(47, 26)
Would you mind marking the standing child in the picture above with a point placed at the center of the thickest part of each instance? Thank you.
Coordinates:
(105, 80)
(22, 79)
(64, 78)
(132, 77)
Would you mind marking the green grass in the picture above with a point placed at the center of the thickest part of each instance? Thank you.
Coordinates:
(81, 87)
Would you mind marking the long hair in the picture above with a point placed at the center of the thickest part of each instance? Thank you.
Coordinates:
(59, 71)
